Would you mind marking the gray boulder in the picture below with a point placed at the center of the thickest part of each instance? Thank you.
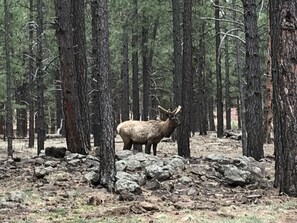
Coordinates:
(122, 154)
(92, 177)
(127, 185)
(40, 172)
(121, 165)
(156, 172)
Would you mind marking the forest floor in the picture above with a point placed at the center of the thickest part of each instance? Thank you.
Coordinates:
(67, 198)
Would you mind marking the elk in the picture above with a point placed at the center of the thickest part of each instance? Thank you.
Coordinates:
(148, 132)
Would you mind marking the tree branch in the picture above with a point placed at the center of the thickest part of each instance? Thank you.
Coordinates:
(222, 20)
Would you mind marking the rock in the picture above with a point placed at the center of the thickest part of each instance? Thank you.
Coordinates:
(15, 196)
(42, 154)
(57, 152)
(121, 165)
(122, 154)
(153, 171)
(51, 163)
(141, 157)
(142, 179)
(235, 176)
(92, 177)
(39, 161)
(131, 186)
(185, 180)
(192, 192)
(74, 162)
(40, 172)
(151, 160)
(133, 165)
(177, 163)
(92, 161)
(219, 158)
(157, 172)
(153, 185)
(72, 156)
(9, 162)
(49, 169)
(126, 176)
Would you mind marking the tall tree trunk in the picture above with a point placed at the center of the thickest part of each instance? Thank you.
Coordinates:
(76, 138)
(40, 123)
(187, 82)
(210, 106)
(237, 52)
(268, 116)
(253, 96)
(31, 80)
(59, 106)
(107, 143)
(152, 88)
(95, 71)
(145, 70)
(79, 44)
(135, 66)
(177, 58)
(21, 113)
(9, 126)
(220, 111)
(177, 53)
(283, 20)
(202, 100)
(125, 76)
(227, 86)
(135, 69)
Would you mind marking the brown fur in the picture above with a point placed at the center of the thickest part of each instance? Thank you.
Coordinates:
(147, 132)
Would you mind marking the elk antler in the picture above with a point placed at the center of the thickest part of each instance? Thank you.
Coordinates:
(174, 112)
(177, 110)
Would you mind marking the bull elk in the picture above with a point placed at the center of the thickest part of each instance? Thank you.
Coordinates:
(148, 132)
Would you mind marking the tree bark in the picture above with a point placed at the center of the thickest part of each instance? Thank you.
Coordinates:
(77, 139)
(177, 58)
(135, 66)
(79, 44)
(125, 76)
(228, 104)
(283, 24)
(187, 82)
(220, 111)
(268, 116)
(210, 106)
(253, 96)
(95, 71)
(7, 46)
(40, 123)
(202, 97)
(21, 113)
(107, 143)
(31, 80)
(59, 106)
(145, 70)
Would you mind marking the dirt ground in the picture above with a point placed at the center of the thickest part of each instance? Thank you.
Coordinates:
(69, 199)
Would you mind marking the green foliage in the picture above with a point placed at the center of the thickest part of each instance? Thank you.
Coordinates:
(120, 13)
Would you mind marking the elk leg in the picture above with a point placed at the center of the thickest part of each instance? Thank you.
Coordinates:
(155, 149)
(127, 146)
(148, 148)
